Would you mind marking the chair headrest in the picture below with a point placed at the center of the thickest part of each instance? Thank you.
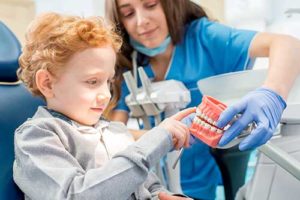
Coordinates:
(10, 50)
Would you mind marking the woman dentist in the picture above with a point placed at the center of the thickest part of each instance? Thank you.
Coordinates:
(177, 40)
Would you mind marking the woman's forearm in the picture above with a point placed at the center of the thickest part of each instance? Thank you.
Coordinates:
(284, 60)
(284, 64)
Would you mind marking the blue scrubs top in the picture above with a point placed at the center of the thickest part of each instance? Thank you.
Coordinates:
(207, 49)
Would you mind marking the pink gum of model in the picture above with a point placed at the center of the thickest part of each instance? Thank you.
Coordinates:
(204, 124)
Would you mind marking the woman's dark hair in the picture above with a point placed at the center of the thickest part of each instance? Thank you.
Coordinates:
(178, 14)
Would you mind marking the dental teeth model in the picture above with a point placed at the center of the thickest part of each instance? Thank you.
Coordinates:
(204, 124)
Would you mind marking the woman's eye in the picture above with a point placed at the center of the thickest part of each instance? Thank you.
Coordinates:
(127, 14)
(151, 4)
(92, 82)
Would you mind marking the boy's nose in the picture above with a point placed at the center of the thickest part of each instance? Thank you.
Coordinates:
(103, 98)
(104, 93)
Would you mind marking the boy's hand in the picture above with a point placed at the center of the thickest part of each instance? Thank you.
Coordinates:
(179, 131)
(165, 196)
(188, 120)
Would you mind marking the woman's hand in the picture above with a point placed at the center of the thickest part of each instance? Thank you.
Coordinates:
(165, 196)
(262, 106)
(179, 131)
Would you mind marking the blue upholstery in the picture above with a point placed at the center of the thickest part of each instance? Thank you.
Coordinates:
(16, 105)
(9, 52)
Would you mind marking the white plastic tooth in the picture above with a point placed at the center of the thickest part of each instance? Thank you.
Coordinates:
(226, 127)
(202, 115)
(198, 112)
(199, 121)
(219, 131)
(213, 129)
(210, 120)
(205, 117)
(195, 120)
(207, 126)
(202, 123)
(214, 123)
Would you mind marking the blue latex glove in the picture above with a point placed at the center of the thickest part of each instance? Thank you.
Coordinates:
(188, 120)
(262, 106)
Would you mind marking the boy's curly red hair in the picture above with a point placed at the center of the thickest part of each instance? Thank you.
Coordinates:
(52, 39)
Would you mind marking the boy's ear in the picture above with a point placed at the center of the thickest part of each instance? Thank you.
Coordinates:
(44, 82)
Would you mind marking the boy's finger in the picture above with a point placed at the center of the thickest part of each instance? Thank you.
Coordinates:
(181, 140)
(187, 139)
(182, 114)
(175, 140)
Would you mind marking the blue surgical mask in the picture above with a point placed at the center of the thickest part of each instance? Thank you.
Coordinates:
(151, 52)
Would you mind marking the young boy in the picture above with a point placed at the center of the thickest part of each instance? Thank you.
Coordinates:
(65, 151)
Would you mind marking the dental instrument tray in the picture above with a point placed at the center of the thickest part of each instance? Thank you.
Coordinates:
(152, 98)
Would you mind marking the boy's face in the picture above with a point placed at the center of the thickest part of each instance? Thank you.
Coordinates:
(82, 90)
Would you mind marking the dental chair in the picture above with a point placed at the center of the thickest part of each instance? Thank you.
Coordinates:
(16, 105)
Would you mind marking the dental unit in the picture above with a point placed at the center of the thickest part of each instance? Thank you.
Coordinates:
(151, 99)
(277, 171)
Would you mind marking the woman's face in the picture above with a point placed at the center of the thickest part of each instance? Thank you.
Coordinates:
(144, 20)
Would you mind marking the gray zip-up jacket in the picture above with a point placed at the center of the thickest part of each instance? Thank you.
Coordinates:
(53, 160)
